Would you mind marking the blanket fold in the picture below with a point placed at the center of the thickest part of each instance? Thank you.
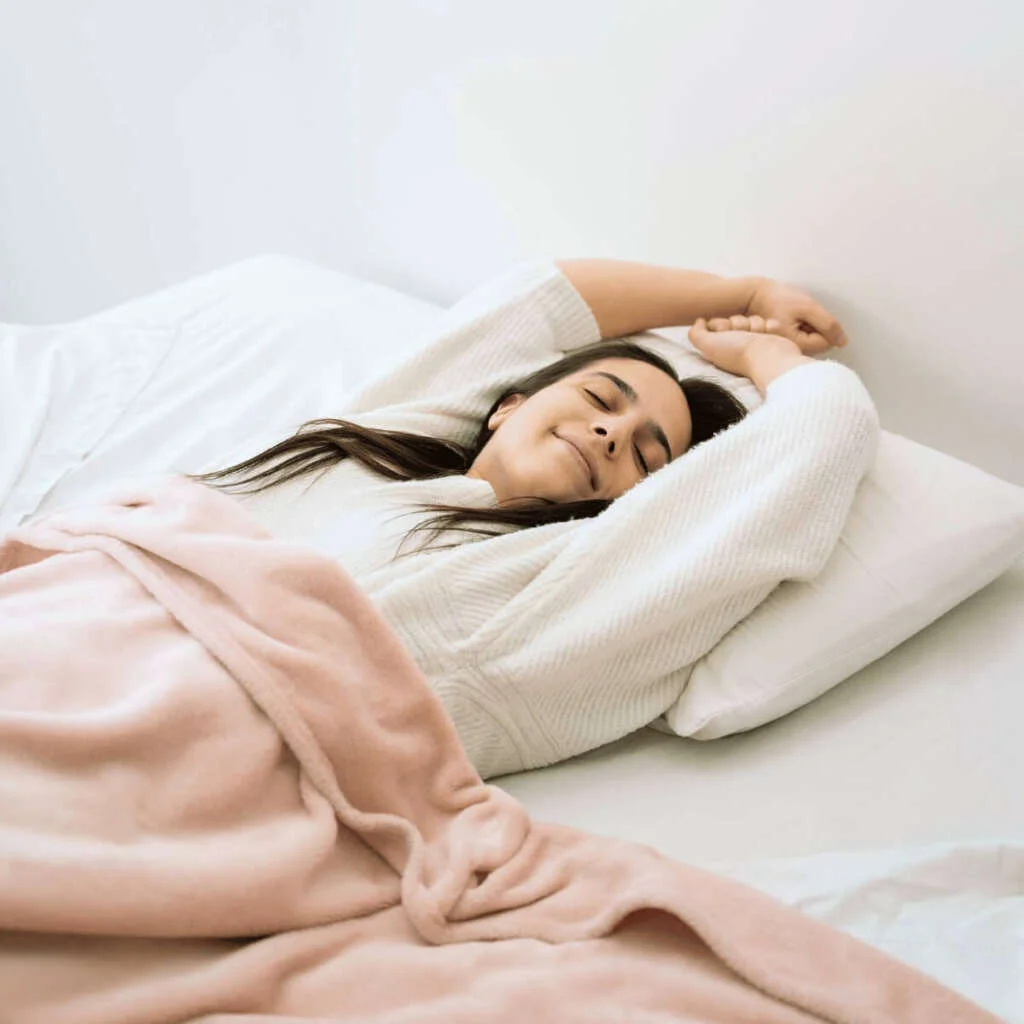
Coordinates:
(227, 793)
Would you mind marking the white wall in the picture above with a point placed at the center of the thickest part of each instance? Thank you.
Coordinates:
(873, 153)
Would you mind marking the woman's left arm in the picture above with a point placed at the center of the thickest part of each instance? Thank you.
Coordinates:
(627, 298)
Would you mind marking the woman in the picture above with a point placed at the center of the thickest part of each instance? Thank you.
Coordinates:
(553, 640)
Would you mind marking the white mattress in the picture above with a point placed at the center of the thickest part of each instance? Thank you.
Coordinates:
(892, 807)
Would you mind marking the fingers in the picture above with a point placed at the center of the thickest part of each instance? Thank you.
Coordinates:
(824, 325)
(811, 342)
(755, 323)
(800, 317)
(802, 332)
(699, 330)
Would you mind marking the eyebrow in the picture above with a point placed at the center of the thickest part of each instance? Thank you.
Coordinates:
(629, 393)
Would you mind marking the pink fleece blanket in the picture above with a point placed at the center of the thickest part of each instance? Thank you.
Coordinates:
(227, 793)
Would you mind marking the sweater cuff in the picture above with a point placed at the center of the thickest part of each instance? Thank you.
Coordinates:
(811, 378)
(838, 393)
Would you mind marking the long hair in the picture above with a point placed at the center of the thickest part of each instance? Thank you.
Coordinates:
(321, 443)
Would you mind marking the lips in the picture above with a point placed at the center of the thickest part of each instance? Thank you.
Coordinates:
(582, 457)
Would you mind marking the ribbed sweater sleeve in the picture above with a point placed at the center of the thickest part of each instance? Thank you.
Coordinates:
(600, 642)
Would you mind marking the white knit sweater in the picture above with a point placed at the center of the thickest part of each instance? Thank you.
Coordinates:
(550, 641)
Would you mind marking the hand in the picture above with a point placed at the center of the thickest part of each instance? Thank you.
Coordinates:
(726, 346)
(800, 318)
(751, 347)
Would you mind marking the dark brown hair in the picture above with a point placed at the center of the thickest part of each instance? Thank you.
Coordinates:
(320, 443)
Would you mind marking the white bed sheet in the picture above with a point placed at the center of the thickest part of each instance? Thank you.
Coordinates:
(893, 806)
(188, 378)
(954, 911)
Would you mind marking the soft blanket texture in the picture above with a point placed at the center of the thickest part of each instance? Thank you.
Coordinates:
(229, 793)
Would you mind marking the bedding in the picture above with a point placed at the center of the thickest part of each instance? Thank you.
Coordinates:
(284, 824)
(889, 807)
(917, 751)
(179, 380)
(953, 910)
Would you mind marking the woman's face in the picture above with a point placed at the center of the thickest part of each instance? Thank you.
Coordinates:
(621, 415)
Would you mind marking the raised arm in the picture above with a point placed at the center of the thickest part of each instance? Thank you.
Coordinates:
(627, 298)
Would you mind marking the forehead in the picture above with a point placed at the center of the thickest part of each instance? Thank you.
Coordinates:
(658, 395)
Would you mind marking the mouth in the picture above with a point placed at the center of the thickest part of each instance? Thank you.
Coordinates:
(581, 459)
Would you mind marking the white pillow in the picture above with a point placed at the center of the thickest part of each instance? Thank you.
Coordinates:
(925, 531)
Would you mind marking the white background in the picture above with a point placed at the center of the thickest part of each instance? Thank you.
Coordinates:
(871, 152)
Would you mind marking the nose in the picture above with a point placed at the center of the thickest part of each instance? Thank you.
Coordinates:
(604, 433)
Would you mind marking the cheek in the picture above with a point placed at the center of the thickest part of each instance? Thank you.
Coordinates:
(527, 430)
(516, 449)
(531, 459)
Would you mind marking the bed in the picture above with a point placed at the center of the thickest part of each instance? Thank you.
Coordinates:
(892, 807)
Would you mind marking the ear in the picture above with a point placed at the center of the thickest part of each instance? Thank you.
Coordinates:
(505, 409)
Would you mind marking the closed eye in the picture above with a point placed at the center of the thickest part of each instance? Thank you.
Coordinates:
(604, 405)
